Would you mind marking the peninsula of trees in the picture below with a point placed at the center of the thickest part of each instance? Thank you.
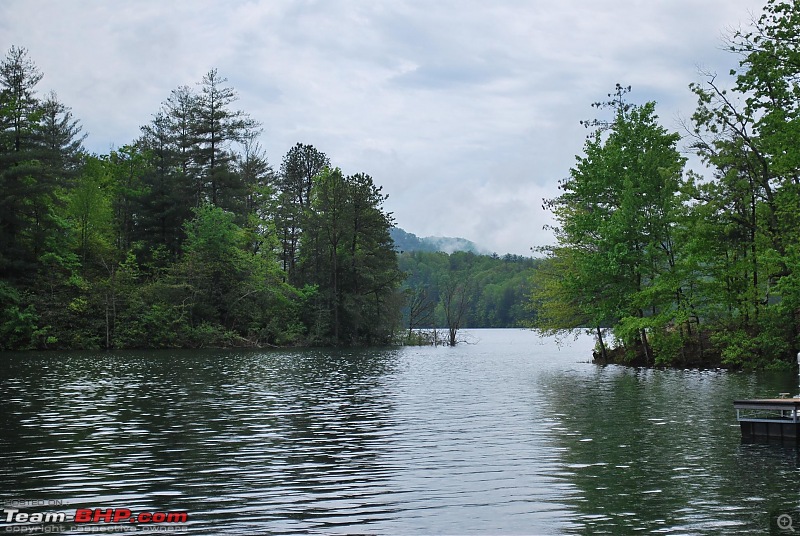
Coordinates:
(184, 237)
(667, 267)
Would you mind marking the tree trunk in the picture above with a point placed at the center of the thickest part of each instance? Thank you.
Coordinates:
(602, 344)
(646, 347)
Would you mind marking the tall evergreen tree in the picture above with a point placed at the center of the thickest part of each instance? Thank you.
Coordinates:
(216, 127)
(346, 251)
(19, 114)
(258, 178)
(295, 182)
(60, 138)
(40, 146)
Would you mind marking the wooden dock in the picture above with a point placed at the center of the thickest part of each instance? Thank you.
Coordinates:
(769, 419)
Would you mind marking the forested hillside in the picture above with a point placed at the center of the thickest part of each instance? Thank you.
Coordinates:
(465, 289)
(185, 236)
(669, 267)
(405, 241)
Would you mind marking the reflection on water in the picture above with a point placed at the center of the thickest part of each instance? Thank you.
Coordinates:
(511, 435)
(654, 450)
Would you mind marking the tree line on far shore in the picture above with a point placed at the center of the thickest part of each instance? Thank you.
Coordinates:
(465, 290)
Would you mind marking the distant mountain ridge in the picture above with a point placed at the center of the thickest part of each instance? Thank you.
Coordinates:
(404, 241)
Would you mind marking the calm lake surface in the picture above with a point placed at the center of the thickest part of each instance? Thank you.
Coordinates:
(508, 435)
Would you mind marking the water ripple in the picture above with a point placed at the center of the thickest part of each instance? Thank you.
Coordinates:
(509, 437)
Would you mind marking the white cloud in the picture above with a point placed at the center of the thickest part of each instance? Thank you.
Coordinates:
(465, 111)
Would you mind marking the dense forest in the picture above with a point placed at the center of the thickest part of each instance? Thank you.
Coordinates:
(184, 237)
(187, 237)
(667, 267)
(465, 290)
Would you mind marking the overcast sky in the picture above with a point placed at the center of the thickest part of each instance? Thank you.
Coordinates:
(466, 112)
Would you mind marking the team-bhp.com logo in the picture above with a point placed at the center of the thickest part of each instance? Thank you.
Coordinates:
(85, 516)
(123, 515)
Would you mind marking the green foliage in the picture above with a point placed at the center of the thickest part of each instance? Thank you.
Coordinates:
(89, 210)
(19, 323)
(555, 299)
(616, 260)
(210, 335)
(186, 237)
(749, 211)
(496, 293)
(31, 150)
(347, 254)
(668, 346)
(680, 267)
(177, 239)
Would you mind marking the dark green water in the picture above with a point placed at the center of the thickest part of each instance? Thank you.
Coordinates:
(511, 435)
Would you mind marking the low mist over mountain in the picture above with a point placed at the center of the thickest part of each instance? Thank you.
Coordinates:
(404, 241)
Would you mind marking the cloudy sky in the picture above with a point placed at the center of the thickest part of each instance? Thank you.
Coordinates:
(465, 111)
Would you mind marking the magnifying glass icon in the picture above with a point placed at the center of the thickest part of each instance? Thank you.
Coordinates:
(785, 522)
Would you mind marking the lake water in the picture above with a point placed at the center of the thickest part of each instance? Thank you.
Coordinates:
(510, 434)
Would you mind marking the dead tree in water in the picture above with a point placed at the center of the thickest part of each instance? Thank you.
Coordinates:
(455, 297)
